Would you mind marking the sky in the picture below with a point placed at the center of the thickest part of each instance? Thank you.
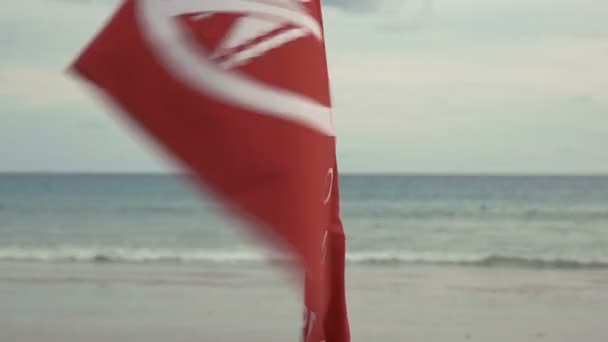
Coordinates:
(419, 86)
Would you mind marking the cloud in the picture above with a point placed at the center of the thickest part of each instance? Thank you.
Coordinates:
(355, 5)
(558, 67)
(478, 18)
(38, 87)
(387, 15)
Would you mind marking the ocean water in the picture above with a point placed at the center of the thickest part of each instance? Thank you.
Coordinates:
(494, 221)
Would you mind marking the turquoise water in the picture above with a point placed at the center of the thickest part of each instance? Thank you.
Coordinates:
(548, 221)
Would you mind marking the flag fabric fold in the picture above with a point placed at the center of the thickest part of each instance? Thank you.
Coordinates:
(237, 93)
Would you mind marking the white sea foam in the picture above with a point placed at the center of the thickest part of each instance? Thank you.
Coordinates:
(370, 258)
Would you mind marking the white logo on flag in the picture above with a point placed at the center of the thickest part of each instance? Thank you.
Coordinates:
(210, 71)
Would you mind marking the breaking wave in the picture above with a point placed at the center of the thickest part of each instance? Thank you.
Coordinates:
(127, 255)
(476, 260)
(134, 255)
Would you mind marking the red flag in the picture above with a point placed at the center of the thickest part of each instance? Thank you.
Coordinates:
(330, 324)
(237, 91)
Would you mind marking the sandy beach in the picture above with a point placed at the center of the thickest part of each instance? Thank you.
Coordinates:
(160, 302)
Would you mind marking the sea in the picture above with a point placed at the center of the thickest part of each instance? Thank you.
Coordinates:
(477, 220)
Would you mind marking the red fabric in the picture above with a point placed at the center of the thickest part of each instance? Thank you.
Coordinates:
(332, 324)
(271, 170)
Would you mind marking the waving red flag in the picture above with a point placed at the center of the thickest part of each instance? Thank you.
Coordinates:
(237, 91)
(330, 324)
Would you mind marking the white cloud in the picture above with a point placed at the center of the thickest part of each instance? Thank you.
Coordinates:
(38, 87)
(516, 71)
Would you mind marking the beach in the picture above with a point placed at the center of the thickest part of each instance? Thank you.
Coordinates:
(430, 258)
(195, 302)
